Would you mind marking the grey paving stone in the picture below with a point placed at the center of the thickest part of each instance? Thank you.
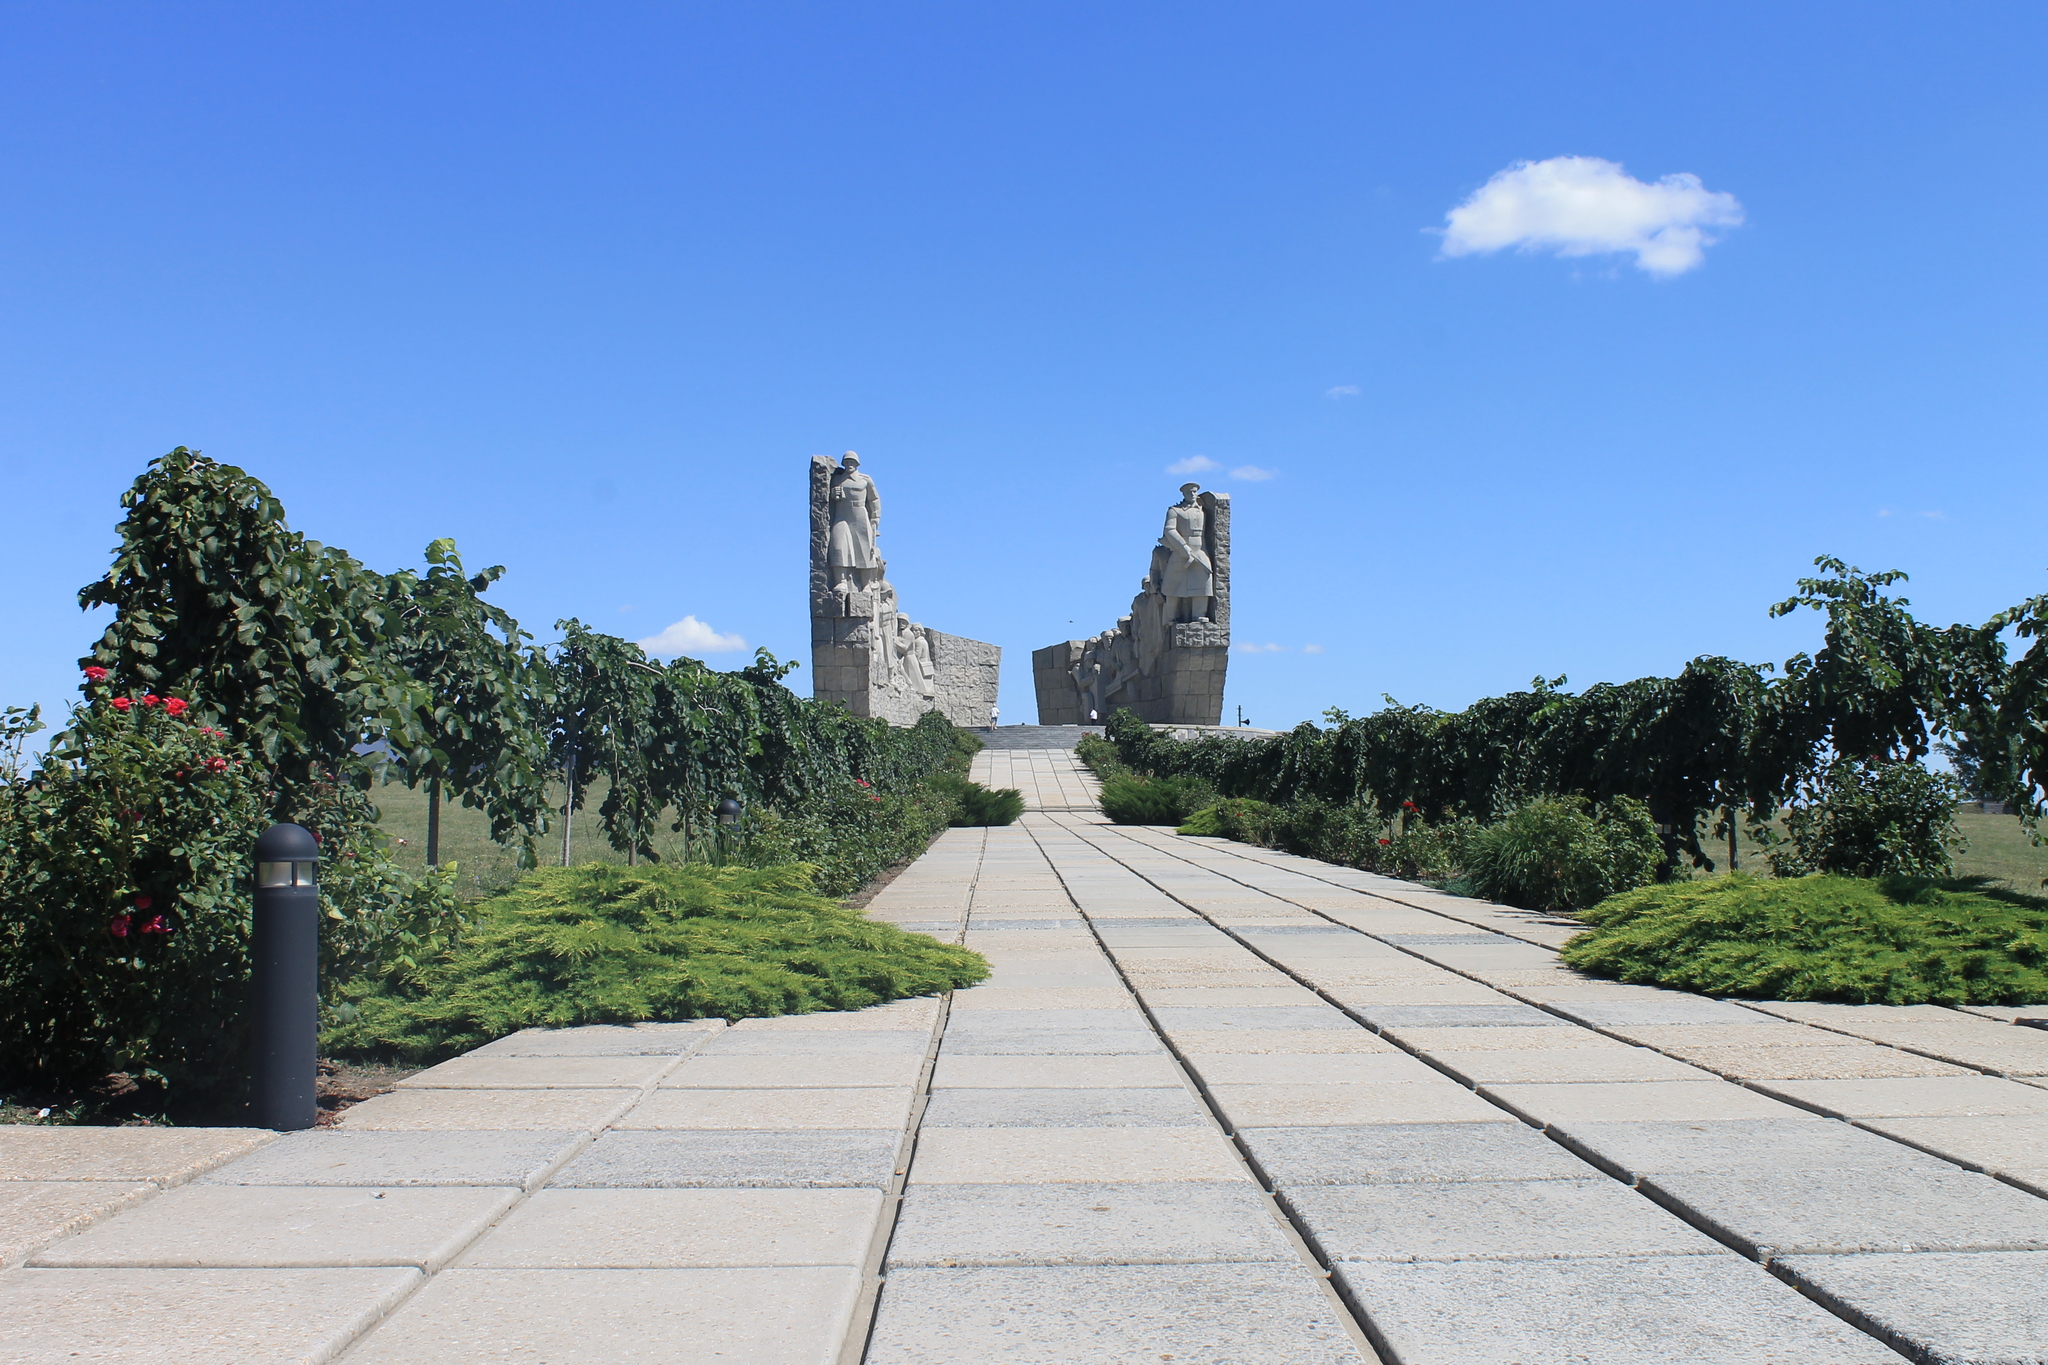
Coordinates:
(735, 1160)
(1064, 1107)
(1061, 1156)
(819, 1043)
(538, 1073)
(1633, 1150)
(785, 1315)
(1493, 1220)
(35, 1213)
(1945, 1308)
(1591, 1101)
(162, 1156)
(220, 1226)
(1048, 1041)
(984, 1023)
(1430, 1153)
(1713, 1310)
(1175, 1019)
(1678, 1009)
(1999, 1143)
(1562, 1064)
(604, 1040)
(532, 1111)
(1150, 1071)
(329, 1157)
(1873, 1209)
(1906, 1097)
(1086, 1224)
(1116, 1315)
(193, 1317)
(1506, 1014)
(664, 1229)
(1296, 1106)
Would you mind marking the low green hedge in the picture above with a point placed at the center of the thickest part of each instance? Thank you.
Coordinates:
(603, 944)
(1134, 800)
(1889, 942)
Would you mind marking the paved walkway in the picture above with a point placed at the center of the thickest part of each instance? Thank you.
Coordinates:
(1217, 1104)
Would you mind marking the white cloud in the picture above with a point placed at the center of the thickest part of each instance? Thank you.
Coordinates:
(1193, 464)
(1342, 391)
(1584, 206)
(1251, 473)
(1311, 649)
(1249, 647)
(693, 637)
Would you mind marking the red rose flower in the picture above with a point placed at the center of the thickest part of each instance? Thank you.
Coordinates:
(216, 765)
(1386, 841)
(95, 674)
(1408, 805)
(143, 902)
(174, 706)
(122, 703)
(156, 924)
(858, 783)
(118, 925)
(151, 699)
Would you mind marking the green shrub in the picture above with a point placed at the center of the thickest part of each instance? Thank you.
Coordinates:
(1880, 819)
(603, 944)
(1561, 853)
(1242, 819)
(1346, 835)
(1894, 941)
(1101, 756)
(125, 902)
(1133, 800)
(974, 804)
(847, 835)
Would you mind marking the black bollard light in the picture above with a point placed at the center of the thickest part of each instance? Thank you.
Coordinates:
(728, 812)
(284, 959)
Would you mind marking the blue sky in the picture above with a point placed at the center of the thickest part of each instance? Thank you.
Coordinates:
(585, 286)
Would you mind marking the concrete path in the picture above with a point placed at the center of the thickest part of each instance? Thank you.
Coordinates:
(1217, 1104)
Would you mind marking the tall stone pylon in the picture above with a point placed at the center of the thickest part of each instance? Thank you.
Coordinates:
(865, 652)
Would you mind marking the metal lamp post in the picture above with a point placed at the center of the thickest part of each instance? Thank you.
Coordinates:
(284, 953)
(728, 812)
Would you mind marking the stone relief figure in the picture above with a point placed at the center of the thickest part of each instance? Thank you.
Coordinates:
(910, 658)
(1088, 676)
(1149, 617)
(1122, 664)
(1190, 578)
(850, 554)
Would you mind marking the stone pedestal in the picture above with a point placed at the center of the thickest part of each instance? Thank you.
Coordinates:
(865, 653)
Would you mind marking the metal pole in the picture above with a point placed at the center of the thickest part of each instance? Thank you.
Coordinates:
(434, 823)
(569, 805)
(284, 960)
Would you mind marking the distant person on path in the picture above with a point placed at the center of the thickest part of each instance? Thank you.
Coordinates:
(992, 714)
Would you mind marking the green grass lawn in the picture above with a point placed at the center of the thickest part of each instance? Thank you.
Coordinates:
(484, 867)
(1999, 849)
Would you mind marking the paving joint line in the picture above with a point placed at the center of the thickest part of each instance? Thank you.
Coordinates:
(1691, 1218)
(1304, 1242)
(860, 1326)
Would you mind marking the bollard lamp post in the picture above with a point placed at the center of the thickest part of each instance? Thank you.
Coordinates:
(728, 812)
(284, 954)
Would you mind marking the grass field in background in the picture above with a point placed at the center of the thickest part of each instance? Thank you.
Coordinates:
(1999, 849)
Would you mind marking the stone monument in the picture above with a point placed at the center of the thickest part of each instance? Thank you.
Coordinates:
(864, 651)
(1165, 661)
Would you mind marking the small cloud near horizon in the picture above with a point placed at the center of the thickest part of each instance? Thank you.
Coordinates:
(1193, 464)
(1249, 647)
(1586, 206)
(691, 636)
(1311, 649)
(1251, 473)
(1342, 391)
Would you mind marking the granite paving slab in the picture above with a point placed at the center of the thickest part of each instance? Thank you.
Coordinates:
(1301, 1041)
(827, 1070)
(1861, 1062)
(786, 1315)
(643, 1229)
(1875, 1208)
(1182, 1222)
(1395, 1018)
(816, 1043)
(539, 1073)
(1564, 1065)
(1998, 1143)
(1680, 1039)
(1677, 1009)
(1049, 1040)
(1787, 1144)
(395, 1159)
(503, 1110)
(1430, 1153)
(1943, 1308)
(1713, 1310)
(1010, 999)
(771, 1109)
(1294, 1106)
(1903, 1097)
(1248, 1314)
(1492, 1220)
(812, 1159)
(225, 1226)
(1004, 1022)
(604, 1040)
(1308, 1068)
(1019, 1156)
(162, 1156)
(1153, 1071)
(1590, 1102)
(1511, 1038)
(1261, 1017)
(34, 1214)
(192, 1317)
(1064, 1107)
(922, 1012)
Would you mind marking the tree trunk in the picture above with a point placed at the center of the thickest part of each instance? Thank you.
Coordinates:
(568, 805)
(434, 823)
